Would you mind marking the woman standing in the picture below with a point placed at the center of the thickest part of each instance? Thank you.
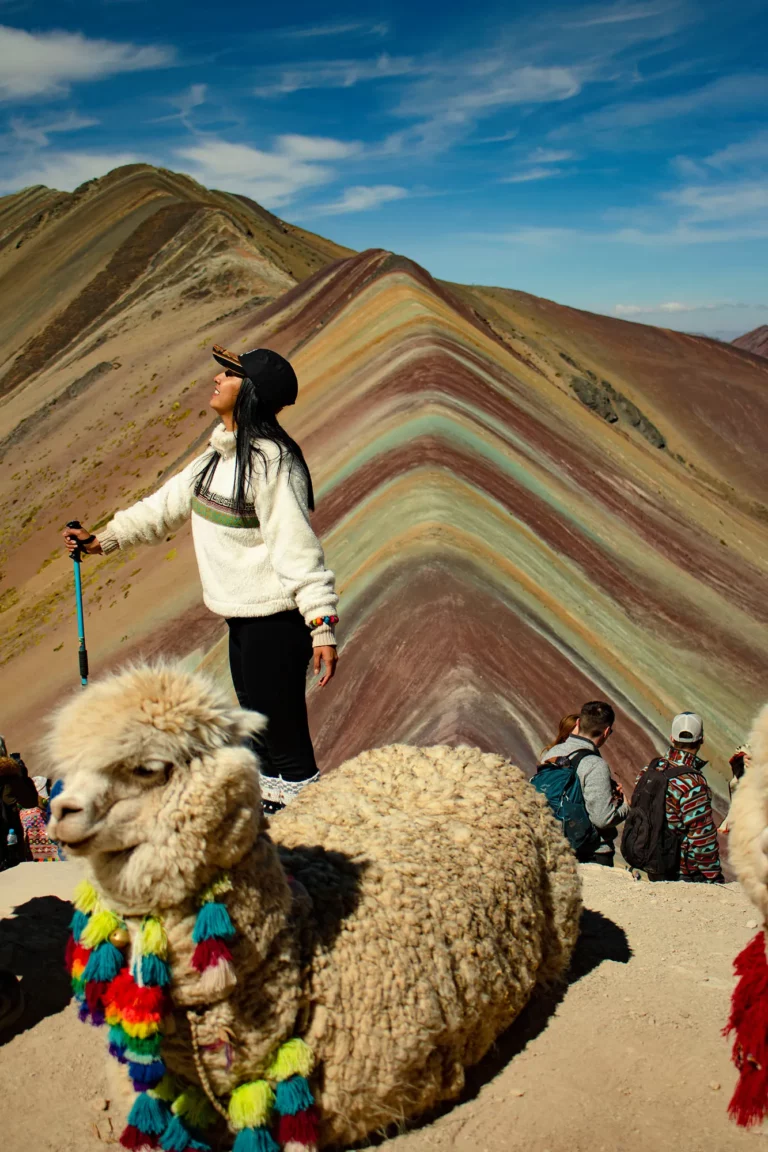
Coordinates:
(261, 566)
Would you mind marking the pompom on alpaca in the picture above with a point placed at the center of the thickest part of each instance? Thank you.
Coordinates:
(327, 975)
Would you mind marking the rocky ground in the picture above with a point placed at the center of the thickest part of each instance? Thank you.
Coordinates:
(629, 1059)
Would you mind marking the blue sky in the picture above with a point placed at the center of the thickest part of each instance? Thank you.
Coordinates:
(612, 156)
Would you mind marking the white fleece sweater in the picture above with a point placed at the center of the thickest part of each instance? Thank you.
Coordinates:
(265, 562)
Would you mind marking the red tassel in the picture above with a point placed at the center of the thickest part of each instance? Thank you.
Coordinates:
(69, 953)
(209, 952)
(134, 1139)
(303, 1128)
(79, 953)
(134, 1003)
(749, 1020)
(95, 991)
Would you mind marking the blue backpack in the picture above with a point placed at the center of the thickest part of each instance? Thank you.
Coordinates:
(559, 782)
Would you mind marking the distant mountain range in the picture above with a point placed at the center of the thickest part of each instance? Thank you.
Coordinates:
(755, 341)
(527, 505)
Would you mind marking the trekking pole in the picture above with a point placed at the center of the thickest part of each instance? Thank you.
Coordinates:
(83, 652)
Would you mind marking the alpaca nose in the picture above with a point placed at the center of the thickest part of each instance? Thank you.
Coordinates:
(63, 806)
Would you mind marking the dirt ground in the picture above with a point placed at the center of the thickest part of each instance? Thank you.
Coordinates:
(629, 1059)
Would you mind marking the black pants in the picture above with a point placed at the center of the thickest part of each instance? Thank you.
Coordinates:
(268, 658)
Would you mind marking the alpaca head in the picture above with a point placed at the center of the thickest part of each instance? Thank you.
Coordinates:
(159, 789)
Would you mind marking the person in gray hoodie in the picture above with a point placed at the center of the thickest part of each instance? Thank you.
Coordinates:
(603, 797)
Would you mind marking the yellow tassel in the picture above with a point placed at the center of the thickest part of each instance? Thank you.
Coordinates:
(85, 897)
(194, 1107)
(140, 1031)
(294, 1058)
(153, 940)
(99, 928)
(251, 1104)
(219, 886)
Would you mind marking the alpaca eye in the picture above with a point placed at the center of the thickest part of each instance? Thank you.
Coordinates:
(158, 769)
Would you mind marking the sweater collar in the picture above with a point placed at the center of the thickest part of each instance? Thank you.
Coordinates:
(223, 442)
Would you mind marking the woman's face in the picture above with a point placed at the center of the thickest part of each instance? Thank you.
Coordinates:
(225, 390)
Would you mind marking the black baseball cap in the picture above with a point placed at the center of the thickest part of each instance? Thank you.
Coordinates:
(270, 373)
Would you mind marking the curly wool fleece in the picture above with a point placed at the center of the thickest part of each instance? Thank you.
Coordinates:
(431, 891)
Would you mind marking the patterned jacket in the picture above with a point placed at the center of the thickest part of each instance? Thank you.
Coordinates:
(689, 814)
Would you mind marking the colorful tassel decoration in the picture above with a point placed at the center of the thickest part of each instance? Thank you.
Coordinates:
(294, 1058)
(292, 1096)
(152, 938)
(154, 971)
(302, 1129)
(149, 1115)
(250, 1105)
(137, 1141)
(254, 1140)
(85, 897)
(749, 1021)
(78, 922)
(212, 923)
(146, 1075)
(104, 963)
(99, 928)
(210, 952)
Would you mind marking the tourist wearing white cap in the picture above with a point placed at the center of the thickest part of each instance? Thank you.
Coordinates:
(670, 832)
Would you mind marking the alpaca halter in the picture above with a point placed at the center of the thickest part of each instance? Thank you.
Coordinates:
(134, 1000)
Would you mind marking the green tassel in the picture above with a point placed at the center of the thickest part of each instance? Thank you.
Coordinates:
(212, 923)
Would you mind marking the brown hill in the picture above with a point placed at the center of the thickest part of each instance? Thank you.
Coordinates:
(526, 505)
(755, 341)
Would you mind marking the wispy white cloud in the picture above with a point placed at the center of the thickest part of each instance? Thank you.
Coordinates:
(340, 28)
(502, 139)
(676, 307)
(38, 132)
(47, 63)
(62, 170)
(705, 203)
(549, 156)
(621, 13)
(282, 81)
(728, 93)
(754, 150)
(531, 174)
(274, 178)
(362, 198)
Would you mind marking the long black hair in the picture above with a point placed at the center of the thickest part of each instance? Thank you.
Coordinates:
(254, 421)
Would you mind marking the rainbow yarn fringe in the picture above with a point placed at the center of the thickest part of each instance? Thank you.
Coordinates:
(168, 1114)
(252, 1105)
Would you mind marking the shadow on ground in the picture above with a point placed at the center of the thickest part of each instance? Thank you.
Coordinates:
(600, 939)
(32, 944)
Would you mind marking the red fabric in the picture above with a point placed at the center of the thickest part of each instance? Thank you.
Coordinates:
(134, 1139)
(69, 953)
(209, 952)
(749, 1021)
(136, 1004)
(303, 1128)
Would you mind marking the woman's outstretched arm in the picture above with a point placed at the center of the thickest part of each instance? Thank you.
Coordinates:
(149, 520)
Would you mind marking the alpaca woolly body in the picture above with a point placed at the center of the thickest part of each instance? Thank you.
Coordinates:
(431, 891)
(748, 820)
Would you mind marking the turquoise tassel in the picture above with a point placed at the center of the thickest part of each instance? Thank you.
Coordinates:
(176, 1138)
(155, 973)
(78, 923)
(149, 1115)
(212, 923)
(293, 1095)
(104, 963)
(254, 1140)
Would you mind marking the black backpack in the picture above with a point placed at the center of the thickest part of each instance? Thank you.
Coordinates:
(647, 841)
(558, 780)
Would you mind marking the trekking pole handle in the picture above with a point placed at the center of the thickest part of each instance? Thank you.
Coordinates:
(76, 555)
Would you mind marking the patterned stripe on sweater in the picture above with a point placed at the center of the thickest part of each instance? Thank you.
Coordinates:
(689, 813)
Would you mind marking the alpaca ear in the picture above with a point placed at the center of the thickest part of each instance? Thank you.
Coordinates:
(247, 723)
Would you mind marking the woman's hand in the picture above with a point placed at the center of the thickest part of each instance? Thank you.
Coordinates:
(327, 655)
(73, 535)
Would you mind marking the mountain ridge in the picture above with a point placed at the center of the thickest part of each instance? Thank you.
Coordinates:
(507, 544)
